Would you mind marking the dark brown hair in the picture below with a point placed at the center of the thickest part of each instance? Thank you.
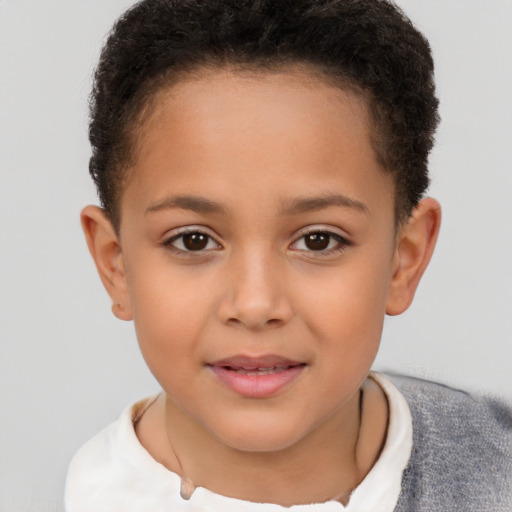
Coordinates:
(368, 45)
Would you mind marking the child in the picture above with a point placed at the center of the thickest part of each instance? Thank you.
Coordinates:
(261, 167)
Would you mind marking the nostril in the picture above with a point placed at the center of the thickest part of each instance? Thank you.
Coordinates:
(254, 323)
(254, 304)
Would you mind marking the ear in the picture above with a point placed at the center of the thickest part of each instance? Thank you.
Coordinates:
(105, 249)
(415, 245)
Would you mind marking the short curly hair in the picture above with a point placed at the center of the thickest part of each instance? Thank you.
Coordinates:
(368, 46)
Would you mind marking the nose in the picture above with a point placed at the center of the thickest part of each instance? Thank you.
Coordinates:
(255, 293)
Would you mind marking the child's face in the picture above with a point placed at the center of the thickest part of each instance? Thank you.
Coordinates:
(257, 230)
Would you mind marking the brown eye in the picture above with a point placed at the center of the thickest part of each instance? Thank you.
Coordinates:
(325, 243)
(192, 241)
(317, 241)
(195, 241)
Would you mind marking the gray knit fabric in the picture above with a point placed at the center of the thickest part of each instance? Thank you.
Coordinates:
(462, 451)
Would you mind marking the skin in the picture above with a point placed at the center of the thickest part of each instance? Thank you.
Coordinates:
(280, 155)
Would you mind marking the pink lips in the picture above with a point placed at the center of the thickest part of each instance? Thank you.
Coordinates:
(256, 377)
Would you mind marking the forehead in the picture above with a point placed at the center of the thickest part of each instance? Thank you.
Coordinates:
(289, 130)
(246, 96)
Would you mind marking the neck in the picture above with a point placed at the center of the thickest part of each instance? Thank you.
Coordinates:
(326, 464)
(319, 467)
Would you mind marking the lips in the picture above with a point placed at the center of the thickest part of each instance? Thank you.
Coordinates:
(256, 377)
(259, 371)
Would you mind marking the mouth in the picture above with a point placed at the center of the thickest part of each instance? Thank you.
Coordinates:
(259, 377)
(257, 371)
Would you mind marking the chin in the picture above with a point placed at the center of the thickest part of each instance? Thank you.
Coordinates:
(261, 438)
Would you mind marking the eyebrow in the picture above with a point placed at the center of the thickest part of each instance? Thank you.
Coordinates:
(308, 204)
(203, 205)
(187, 202)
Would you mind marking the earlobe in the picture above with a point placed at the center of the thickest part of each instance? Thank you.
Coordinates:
(415, 245)
(105, 250)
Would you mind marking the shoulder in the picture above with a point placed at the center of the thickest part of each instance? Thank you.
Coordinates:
(96, 455)
(427, 398)
(93, 464)
(462, 449)
(112, 463)
(455, 413)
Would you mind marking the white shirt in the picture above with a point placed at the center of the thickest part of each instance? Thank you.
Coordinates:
(114, 473)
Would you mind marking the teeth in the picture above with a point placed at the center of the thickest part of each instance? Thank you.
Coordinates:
(259, 371)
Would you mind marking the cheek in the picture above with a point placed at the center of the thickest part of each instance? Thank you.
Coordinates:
(346, 318)
(346, 307)
(169, 310)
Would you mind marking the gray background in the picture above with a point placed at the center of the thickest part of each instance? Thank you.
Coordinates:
(68, 367)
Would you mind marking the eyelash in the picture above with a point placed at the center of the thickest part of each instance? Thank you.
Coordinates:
(341, 242)
(169, 243)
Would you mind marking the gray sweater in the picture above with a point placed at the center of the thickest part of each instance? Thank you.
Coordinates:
(462, 451)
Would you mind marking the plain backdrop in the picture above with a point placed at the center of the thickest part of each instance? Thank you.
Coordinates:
(68, 367)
